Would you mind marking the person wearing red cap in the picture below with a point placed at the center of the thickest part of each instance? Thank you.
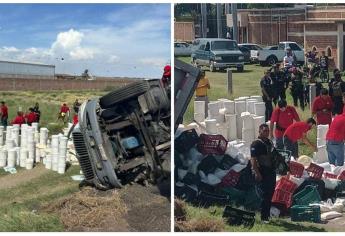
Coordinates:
(166, 75)
(322, 108)
(19, 119)
(283, 116)
(295, 132)
(335, 140)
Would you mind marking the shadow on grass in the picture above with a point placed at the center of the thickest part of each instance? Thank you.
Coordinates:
(295, 227)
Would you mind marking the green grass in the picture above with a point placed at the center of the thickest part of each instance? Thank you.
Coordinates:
(20, 206)
(49, 102)
(246, 83)
(276, 225)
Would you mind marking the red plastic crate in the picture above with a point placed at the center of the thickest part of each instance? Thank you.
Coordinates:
(287, 185)
(231, 179)
(328, 175)
(315, 171)
(212, 144)
(341, 176)
(296, 169)
(283, 197)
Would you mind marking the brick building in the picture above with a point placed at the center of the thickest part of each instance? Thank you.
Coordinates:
(322, 28)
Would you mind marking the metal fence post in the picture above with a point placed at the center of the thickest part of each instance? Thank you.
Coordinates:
(229, 81)
(312, 94)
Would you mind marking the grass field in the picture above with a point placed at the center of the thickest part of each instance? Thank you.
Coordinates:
(20, 204)
(49, 103)
(244, 84)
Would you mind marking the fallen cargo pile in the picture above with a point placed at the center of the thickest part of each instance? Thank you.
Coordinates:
(212, 167)
(24, 146)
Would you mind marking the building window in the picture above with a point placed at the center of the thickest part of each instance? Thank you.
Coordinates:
(329, 51)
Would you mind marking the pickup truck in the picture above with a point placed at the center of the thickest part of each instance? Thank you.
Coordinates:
(124, 136)
(269, 57)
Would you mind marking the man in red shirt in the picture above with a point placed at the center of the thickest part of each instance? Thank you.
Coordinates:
(322, 108)
(335, 140)
(295, 132)
(283, 116)
(64, 112)
(19, 119)
(31, 116)
(4, 114)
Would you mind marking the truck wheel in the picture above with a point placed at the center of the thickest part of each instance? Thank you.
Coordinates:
(240, 69)
(212, 69)
(271, 60)
(122, 94)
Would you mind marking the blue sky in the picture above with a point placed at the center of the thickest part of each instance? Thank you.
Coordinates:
(130, 40)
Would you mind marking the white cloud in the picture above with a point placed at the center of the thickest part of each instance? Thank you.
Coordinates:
(113, 59)
(159, 62)
(81, 53)
(10, 49)
(68, 40)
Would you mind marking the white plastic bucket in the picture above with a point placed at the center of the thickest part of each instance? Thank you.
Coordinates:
(199, 117)
(10, 143)
(23, 157)
(3, 158)
(199, 107)
(229, 107)
(61, 168)
(15, 136)
(11, 160)
(259, 108)
(29, 164)
(211, 126)
(230, 121)
(43, 136)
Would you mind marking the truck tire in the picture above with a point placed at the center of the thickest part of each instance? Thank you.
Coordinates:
(240, 69)
(271, 60)
(212, 69)
(122, 94)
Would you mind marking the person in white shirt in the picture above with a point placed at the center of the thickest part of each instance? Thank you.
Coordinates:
(289, 59)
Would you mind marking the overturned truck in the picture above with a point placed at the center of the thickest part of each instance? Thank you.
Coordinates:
(124, 136)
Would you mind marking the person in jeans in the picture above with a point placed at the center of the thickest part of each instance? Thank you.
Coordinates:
(267, 94)
(335, 140)
(201, 91)
(283, 116)
(295, 132)
(262, 163)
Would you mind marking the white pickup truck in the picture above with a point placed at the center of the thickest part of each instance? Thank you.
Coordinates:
(270, 57)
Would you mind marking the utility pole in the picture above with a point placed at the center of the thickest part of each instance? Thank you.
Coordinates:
(219, 20)
(234, 20)
(204, 20)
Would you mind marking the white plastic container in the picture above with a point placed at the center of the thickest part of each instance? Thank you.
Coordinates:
(199, 107)
(11, 160)
(199, 117)
(43, 136)
(10, 143)
(3, 158)
(15, 136)
(1, 135)
(251, 105)
(211, 126)
(230, 121)
(259, 108)
(23, 157)
(29, 164)
(229, 107)
(61, 168)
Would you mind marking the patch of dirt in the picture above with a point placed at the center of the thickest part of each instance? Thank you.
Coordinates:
(21, 177)
(200, 225)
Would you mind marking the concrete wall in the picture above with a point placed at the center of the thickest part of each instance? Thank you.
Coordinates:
(9, 84)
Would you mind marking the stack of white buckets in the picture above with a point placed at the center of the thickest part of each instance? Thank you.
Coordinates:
(31, 147)
(237, 119)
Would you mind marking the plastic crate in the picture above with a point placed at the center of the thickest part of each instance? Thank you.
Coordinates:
(283, 197)
(328, 175)
(236, 216)
(296, 169)
(308, 195)
(306, 213)
(287, 185)
(285, 153)
(212, 144)
(315, 171)
(341, 176)
(186, 140)
(231, 179)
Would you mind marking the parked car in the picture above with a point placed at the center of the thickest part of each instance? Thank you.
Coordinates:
(124, 136)
(270, 57)
(182, 49)
(217, 53)
(273, 47)
(246, 53)
(254, 49)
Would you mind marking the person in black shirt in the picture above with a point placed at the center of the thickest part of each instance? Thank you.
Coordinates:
(323, 61)
(297, 89)
(279, 84)
(336, 90)
(267, 94)
(261, 151)
(36, 109)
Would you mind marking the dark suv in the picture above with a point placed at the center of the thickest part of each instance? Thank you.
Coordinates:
(124, 136)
